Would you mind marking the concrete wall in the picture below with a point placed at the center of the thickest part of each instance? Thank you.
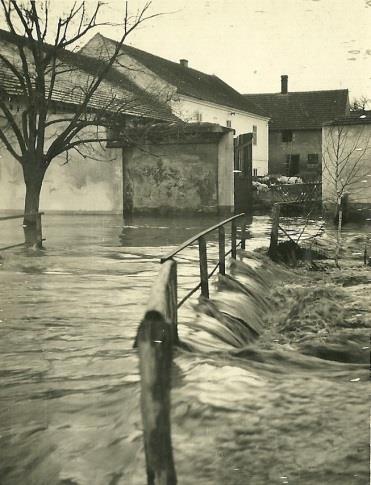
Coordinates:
(180, 177)
(190, 109)
(93, 183)
(304, 142)
(354, 142)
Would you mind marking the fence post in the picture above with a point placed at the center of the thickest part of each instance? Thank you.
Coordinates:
(222, 250)
(155, 340)
(274, 229)
(203, 267)
(243, 234)
(234, 240)
(155, 356)
(39, 234)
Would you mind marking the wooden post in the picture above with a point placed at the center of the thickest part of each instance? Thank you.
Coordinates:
(155, 357)
(127, 186)
(243, 234)
(203, 267)
(234, 239)
(274, 229)
(39, 234)
(156, 337)
(222, 250)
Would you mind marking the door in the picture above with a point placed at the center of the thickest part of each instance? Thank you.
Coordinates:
(243, 173)
(293, 165)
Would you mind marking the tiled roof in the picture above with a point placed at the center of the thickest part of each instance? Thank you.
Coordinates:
(306, 110)
(191, 82)
(361, 117)
(115, 93)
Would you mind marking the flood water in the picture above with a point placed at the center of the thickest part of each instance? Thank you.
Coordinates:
(69, 395)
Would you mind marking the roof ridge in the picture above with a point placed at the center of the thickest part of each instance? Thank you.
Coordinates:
(298, 92)
(157, 56)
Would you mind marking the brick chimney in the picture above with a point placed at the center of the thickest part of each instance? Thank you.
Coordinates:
(183, 62)
(284, 84)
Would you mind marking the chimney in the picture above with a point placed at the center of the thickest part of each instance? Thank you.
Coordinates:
(183, 62)
(284, 83)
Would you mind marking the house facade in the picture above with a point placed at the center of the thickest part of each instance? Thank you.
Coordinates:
(90, 179)
(193, 95)
(295, 129)
(347, 164)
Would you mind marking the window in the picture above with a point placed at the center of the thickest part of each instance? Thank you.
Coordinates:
(254, 134)
(229, 124)
(286, 136)
(197, 116)
(293, 165)
(313, 158)
(255, 172)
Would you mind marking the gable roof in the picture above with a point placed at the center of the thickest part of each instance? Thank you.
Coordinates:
(301, 110)
(116, 93)
(191, 82)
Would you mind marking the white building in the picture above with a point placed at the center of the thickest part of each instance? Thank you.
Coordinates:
(193, 95)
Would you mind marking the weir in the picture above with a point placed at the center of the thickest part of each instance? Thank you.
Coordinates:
(232, 318)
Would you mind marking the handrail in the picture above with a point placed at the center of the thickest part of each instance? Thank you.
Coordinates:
(195, 238)
(19, 216)
(33, 237)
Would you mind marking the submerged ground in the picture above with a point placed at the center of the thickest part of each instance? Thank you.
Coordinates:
(290, 407)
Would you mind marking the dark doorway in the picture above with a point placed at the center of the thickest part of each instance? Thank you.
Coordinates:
(243, 173)
(293, 165)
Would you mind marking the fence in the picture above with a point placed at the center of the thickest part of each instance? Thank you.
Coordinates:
(30, 240)
(156, 338)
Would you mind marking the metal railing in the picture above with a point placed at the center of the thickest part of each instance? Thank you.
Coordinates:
(200, 238)
(157, 335)
(38, 232)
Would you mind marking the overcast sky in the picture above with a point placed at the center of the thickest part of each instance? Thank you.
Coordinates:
(320, 44)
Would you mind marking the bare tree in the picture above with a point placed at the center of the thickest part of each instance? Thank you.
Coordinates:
(39, 72)
(346, 150)
(360, 104)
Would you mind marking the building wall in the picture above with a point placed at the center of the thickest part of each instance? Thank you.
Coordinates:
(354, 142)
(190, 109)
(304, 142)
(90, 184)
(179, 177)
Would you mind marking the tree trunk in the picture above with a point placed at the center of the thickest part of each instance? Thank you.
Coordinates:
(33, 178)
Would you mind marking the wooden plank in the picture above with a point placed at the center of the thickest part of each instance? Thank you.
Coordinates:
(163, 297)
(234, 240)
(222, 250)
(155, 361)
(204, 277)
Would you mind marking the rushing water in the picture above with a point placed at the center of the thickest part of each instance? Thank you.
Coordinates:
(69, 410)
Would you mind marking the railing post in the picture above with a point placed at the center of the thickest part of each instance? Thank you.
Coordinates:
(243, 235)
(203, 267)
(39, 234)
(155, 357)
(221, 250)
(234, 240)
(275, 223)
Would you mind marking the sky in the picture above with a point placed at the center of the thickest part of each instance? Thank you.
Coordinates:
(319, 44)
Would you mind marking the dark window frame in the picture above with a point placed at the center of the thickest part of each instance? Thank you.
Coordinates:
(287, 136)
